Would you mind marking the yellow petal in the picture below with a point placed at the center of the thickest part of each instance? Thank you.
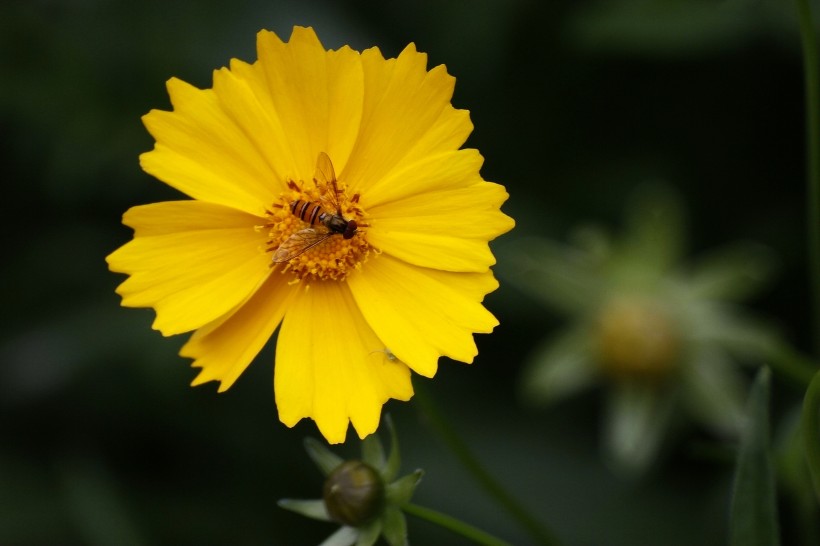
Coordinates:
(203, 152)
(316, 93)
(446, 229)
(436, 172)
(422, 314)
(224, 348)
(407, 114)
(243, 95)
(471, 212)
(331, 367)
(191, 261)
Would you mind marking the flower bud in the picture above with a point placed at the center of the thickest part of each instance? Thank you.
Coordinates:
(354, 493)
(637, 340)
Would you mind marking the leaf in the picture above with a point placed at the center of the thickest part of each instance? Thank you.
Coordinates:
(810, 429)
(753, 520)
(714, 390)
(672, 28)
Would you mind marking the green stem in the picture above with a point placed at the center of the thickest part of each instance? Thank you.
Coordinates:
(810, 429)
(457, 526)
(534, 527)
(812, 91)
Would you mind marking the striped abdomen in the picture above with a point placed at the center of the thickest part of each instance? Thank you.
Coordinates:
(314, 214)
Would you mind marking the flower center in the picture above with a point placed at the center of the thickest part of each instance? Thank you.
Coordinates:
(314, 232)
(637, 340)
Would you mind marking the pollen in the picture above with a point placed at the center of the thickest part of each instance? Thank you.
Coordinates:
(315, 252)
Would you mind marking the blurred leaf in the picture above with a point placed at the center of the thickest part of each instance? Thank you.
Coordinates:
(636, 419)
(794, 478)
(672, 27)
(734, 273)
(754, 513)
(714, 391)
(810, 425)
(561, 366)
(562, 277)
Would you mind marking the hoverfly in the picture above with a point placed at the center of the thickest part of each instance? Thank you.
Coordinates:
(315, 215)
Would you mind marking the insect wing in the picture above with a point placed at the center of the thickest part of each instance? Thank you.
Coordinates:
(301, 241)
(325, 178)
(325, 174)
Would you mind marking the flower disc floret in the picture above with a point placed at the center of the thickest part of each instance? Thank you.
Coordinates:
(333, 258)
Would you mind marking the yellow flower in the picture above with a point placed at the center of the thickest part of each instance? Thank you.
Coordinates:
(401, 261)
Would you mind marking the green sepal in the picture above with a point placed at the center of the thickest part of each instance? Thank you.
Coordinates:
(753, 519)
(733, 273)
(369, 533)
(395, 527)
(344, 536)
(314, 509)
(653, 240)
(373, 451)
(326, 460)
(391, 467)
(401, 491)
(560, 366)
(564, 278)
(636, 420)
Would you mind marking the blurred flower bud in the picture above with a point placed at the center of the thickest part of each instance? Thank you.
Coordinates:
(354, 493)
(637, 340)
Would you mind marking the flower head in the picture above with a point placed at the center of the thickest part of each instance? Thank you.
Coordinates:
(329, 194)
(364, 496)
(661, 334)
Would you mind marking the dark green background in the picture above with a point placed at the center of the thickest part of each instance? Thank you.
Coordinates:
(574, 102)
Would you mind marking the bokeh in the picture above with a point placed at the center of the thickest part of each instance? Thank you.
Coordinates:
(575, 103)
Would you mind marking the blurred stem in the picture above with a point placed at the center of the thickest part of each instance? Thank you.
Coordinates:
(810, 424)
(812, 91)
(457, 526)
(539, 532)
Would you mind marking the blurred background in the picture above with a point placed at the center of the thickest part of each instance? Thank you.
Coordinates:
(575, 104)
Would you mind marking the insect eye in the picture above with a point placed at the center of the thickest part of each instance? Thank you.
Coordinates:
(350, 229)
